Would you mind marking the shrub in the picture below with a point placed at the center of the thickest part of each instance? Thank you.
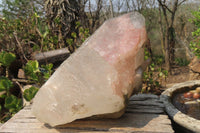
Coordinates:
(11, 103)
(37, 74)
(154, 75)
(195, 45)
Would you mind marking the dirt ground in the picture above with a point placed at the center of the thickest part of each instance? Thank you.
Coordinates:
(179, 74)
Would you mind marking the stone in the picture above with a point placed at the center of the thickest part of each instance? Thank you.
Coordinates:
(195, 65)
(99, 77)
(21, 74)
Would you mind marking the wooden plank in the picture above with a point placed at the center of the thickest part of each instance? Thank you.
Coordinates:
(52, 56)
(138, 118)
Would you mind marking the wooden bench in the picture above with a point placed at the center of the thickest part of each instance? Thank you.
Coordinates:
(145, 113)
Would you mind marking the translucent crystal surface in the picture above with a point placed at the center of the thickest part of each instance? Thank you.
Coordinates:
(99, 77)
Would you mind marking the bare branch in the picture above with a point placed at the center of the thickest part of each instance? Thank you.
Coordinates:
(19, 45)
(164, 5)
(164, 12)
(111, 8)
(181, 2)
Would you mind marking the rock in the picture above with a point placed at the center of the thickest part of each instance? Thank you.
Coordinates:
(99, 77)
(195, 64)
(194, 69)
(21, 74)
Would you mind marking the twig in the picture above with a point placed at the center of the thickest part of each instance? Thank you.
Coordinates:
(21, 80)
(22, 92)
(4, 117)
(7, 73)
(181, 2)
(19, 86)
(163, 5)
(3, 92)
(39, 32)
(20, 46)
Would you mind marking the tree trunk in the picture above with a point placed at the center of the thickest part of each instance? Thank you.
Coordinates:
(111, 8)
(62, 16)
(169, 32)
(167, 52)
(161, 32)
(171, 44)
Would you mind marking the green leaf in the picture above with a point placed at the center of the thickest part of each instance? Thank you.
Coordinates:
(0, 108)
(160, 74)
(3, 96)
(46, 32)
(5, 84)
(151, 81)
(13, 104)
(78, 24)
(73, 34)
(47, 70)
(69, 41)
(165, 72)
(57, 20)
(48, 67)
(146, 57)
(157, 83)
(34, 77)
(10, 102)
(31, 69)
(81, 30)
(36, 15)
(30, 93)
(34, 65)
(6, 58)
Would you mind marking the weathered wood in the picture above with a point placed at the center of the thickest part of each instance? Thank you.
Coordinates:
(138, 118)
(52, 56)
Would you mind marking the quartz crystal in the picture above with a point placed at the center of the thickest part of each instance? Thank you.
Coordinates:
(99, 77)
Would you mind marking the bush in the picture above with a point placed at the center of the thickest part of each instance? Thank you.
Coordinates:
(36, 74)
(10, 102)
(154, 75)
(23, 36)
(195, 45)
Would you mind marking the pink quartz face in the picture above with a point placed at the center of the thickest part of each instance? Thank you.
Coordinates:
(118, 42)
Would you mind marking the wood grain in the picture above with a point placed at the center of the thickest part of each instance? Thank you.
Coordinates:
(144, 114)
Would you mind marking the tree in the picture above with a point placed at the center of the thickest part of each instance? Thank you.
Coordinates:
(95, 14)
(167, 28)
(62, 16)
(12, 9)
(111, 9)
(195, 45)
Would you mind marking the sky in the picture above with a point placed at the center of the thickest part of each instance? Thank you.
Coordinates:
(93, 1)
